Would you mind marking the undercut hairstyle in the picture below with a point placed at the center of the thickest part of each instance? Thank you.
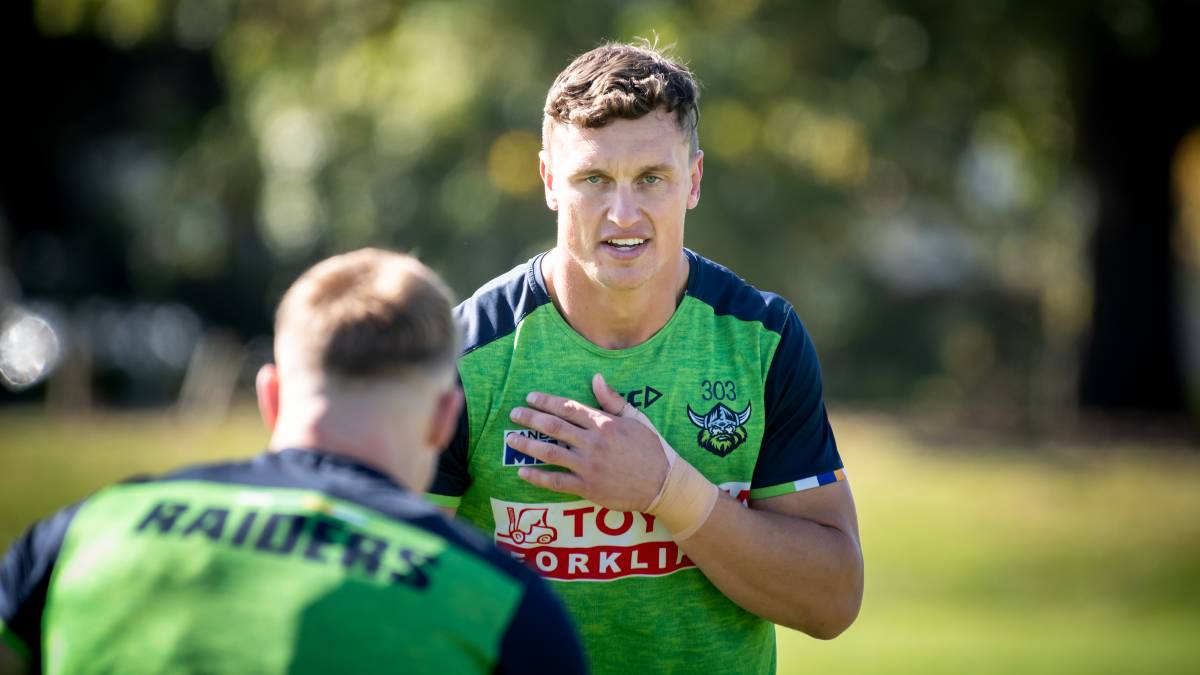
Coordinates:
(369, 313)
(620, 81)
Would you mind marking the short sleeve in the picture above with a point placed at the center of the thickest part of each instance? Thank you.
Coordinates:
(798, 451)
(453, 477)
(24, 580)
(541, 622)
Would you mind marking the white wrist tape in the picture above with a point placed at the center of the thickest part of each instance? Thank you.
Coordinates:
(686, 498)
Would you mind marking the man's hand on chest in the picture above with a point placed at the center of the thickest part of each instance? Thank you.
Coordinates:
(614, 456)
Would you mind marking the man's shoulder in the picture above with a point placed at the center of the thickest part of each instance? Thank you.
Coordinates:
(498, 306)
(267, 469)
(730, 295)
(297, 470)
(215, 471)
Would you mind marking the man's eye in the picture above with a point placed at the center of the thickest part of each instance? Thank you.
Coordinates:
(651, 180)
(594, 180)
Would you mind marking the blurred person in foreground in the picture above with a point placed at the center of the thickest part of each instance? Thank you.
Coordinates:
(316, 556)
(642, 426)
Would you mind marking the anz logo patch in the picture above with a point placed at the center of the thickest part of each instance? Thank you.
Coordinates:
(514, 457)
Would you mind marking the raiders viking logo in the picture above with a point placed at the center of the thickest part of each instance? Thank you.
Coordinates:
(721, 429)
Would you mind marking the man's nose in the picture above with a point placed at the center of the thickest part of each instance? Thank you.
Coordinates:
(624, 211)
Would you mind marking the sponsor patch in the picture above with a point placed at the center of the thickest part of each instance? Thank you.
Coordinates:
(514, 457)
(582, 541)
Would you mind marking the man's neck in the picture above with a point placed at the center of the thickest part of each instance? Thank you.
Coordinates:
(357, 436)
(613, 319)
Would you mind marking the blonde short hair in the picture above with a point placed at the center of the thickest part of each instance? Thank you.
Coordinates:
(368, 313)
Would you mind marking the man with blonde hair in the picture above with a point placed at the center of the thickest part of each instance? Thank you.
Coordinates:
(643, 427)
(317, 556)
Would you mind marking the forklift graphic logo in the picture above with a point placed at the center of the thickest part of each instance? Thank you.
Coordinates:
(528, 525)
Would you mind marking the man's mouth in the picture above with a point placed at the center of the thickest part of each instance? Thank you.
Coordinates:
(625, 244)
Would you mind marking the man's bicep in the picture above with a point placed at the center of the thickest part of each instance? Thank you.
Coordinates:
(831, 505)
(798, 449)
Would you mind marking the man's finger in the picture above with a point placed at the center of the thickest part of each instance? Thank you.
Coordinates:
(612, 402)
(551, 425)
(559, 481)
(547, 452)
(573, 411)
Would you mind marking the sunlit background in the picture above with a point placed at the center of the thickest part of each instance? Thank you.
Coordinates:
(986, 213)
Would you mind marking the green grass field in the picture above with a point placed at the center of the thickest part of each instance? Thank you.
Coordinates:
(1005, 560)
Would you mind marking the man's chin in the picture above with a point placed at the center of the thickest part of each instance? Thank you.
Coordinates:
(616, 276)
(620, 280)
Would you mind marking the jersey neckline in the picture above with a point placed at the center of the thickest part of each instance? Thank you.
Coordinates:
(324, 460)
(537, 284)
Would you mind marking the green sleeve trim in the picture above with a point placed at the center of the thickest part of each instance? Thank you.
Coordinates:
(444, 501)
(773, 490)
(11, 639)
(835, 476)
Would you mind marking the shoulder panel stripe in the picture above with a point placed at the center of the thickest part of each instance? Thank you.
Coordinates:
(730, 295)
(799, 485)
(496, 308)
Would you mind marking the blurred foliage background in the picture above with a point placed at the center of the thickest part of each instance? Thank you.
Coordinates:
(987, 213)
(970, 204)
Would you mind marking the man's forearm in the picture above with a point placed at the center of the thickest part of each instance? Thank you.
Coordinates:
(792, 571)
(794, 559)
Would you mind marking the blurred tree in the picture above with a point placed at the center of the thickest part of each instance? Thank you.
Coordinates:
(912, 175)
(1138, 104)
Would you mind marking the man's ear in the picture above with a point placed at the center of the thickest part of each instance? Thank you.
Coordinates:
(445, 419)
(696, 174)
(266, 386)
(547, 179)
